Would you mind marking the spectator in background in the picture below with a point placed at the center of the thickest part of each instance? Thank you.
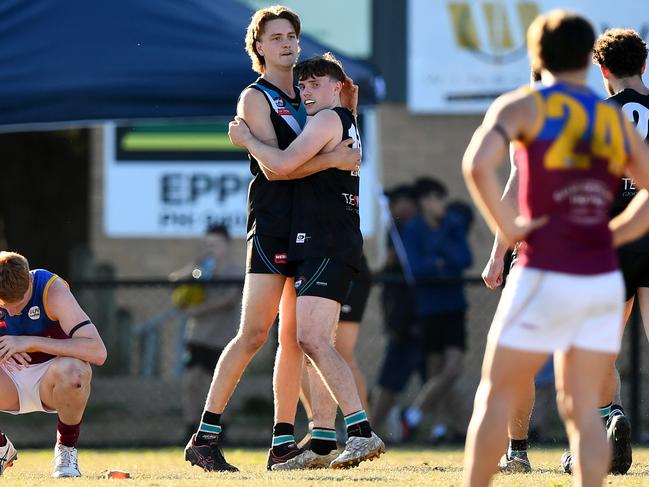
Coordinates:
(213, 317)
(437, 248)
(401, 356)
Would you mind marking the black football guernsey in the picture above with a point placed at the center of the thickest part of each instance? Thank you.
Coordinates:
(326, 220)
(270, 202)
(636, 108)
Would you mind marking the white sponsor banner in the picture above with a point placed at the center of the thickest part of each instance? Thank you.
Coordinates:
(171, 198)
(464, 53)
(163, 199)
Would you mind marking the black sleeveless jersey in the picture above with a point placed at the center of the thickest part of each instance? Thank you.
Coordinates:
(636, 108)
(326, 221)
(270, 202)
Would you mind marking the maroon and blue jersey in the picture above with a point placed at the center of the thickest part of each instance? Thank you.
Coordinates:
(569, 170)
(34, 319)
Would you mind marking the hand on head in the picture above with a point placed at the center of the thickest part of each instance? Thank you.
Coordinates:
(349, 95)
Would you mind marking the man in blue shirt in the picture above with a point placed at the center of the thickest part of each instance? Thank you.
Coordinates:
(436, 244)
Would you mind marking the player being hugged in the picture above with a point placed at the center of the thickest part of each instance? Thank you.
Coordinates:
(326, 246)
(47, 343)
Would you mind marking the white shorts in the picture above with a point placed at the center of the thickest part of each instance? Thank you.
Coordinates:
(27, 381)
(545, 311)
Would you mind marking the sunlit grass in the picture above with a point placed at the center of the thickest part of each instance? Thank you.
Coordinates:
(407, 467)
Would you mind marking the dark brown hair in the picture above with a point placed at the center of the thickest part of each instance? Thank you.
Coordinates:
(325, 65)
(560, 41)
(622, 51)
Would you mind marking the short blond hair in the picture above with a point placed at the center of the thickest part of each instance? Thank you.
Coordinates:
(14, 276)
(256, 29)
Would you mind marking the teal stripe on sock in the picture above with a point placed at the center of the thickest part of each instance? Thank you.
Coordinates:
(355, 418)
(280, 440)
(209, 428)
(323, 434)
(605, 411)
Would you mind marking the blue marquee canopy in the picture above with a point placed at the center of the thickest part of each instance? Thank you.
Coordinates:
(80, 61)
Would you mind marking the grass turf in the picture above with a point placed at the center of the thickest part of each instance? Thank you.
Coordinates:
(407, 467)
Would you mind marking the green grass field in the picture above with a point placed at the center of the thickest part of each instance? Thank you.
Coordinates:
(414, 468)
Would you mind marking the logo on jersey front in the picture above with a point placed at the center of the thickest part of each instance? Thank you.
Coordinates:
(281, 258)
(629, 189)
(3, 323)
(299, 281)
(300, 238)
(281, 107)
(351, 199)
(587, 201)
(34, 313)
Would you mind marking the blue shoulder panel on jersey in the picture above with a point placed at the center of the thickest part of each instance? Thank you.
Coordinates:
(298, 115)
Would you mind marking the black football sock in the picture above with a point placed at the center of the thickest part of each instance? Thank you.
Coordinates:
(209, 429)
(323, 440)
(283, 439)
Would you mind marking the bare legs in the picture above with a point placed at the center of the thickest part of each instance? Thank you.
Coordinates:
(493, 406)
(261, 298)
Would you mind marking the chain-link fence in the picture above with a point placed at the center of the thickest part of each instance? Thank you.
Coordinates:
(137, 395)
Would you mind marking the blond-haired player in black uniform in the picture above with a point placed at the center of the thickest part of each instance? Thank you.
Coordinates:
(272, 108)
(326, 242)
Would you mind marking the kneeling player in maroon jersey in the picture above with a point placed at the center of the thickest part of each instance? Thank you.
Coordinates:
(47, 343)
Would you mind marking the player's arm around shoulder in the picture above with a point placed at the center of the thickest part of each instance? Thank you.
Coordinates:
(321, 135)
(318, 133)
(344, 157)
(85, 343)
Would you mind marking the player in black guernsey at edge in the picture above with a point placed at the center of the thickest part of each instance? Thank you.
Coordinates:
(326, 243)
(272, 108)
(622, 55)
